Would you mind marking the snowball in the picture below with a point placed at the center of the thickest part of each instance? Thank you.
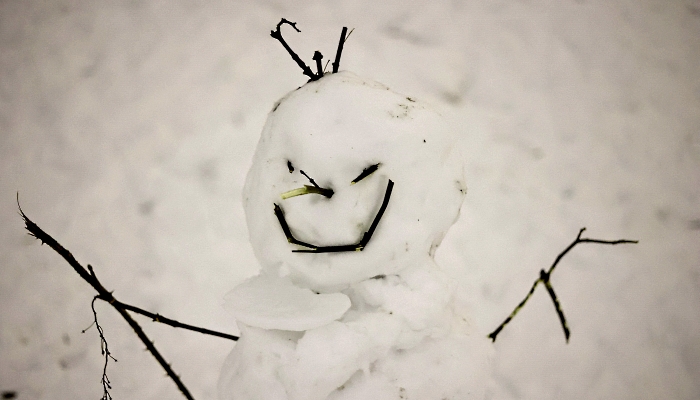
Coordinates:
(333, 129)
(274, 303)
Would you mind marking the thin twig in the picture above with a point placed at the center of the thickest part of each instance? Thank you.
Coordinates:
(341, 42)
(103, 294)
(545, 279)
(318, 57)
(359, 246)
(277, 34)
(174, 323)
(313, 182)
(105, 352)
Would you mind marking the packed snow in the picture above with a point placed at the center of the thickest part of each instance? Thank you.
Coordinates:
(383, 324)
(128, 127)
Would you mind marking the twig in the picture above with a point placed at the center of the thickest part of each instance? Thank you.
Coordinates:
(544, 279)
(105, 352)
(174, 323)
(308, 189)
(318, 57)
(359, 246)
(341, 42)
(103, 294)
(313, 182)
(277, 34)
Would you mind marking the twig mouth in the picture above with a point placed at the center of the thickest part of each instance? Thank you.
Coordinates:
(312, 248)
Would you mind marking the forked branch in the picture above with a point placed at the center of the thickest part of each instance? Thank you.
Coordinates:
(544, 279)
(277, 34)
(103, 294)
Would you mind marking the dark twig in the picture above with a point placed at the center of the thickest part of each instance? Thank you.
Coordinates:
(313, 182)
(545, 279)
(175, 324)
(105, 352)
(277, 34)
(316, 189)
(318, 57)
(365, 173)
(341, 42)
(359, 246)
(103, 294)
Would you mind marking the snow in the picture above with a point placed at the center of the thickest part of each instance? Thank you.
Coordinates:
(383, 299)
(331, 130)
(274, 303)
(128, 128)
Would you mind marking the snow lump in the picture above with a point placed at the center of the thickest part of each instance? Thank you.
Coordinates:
(352, 188)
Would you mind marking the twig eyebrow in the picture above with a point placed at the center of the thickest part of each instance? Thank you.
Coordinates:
(366, 172)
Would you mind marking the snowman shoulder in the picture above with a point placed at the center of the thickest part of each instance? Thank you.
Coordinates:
(275, 303)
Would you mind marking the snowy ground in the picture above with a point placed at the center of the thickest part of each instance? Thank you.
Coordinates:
(128, 127)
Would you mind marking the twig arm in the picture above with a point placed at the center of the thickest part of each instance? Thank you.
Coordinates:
(495, 333)
(545, 279)
(103, 294)
(174, 323)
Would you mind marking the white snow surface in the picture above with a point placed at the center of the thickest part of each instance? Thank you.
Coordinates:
(331, 130)
(385, 313)
(275, 303)
(127, 128)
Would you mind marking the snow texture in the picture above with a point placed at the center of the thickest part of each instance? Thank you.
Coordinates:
(331, 130)
(401, 334)
(127, 127)
(274, 303)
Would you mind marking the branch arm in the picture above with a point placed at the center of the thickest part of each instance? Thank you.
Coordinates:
(89, 276)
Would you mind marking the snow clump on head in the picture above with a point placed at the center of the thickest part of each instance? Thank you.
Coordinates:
(333, 129)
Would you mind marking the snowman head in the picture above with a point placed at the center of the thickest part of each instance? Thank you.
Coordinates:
(349, 181)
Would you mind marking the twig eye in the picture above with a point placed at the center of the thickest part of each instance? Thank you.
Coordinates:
(366, 172)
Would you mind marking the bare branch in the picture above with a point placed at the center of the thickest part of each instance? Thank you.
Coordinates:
(277, 34)
(174, 323)
(544, 279)
(103, 294)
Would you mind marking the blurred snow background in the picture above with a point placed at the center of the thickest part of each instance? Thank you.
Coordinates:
(127, 128)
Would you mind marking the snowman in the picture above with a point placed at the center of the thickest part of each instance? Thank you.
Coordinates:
(352, 188)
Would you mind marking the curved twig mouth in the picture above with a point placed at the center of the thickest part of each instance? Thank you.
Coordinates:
(312, 248)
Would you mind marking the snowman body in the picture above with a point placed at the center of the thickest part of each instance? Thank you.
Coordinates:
(349, 303)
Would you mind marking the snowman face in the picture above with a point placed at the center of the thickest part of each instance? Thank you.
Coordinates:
(314, 188)
(379, 188)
